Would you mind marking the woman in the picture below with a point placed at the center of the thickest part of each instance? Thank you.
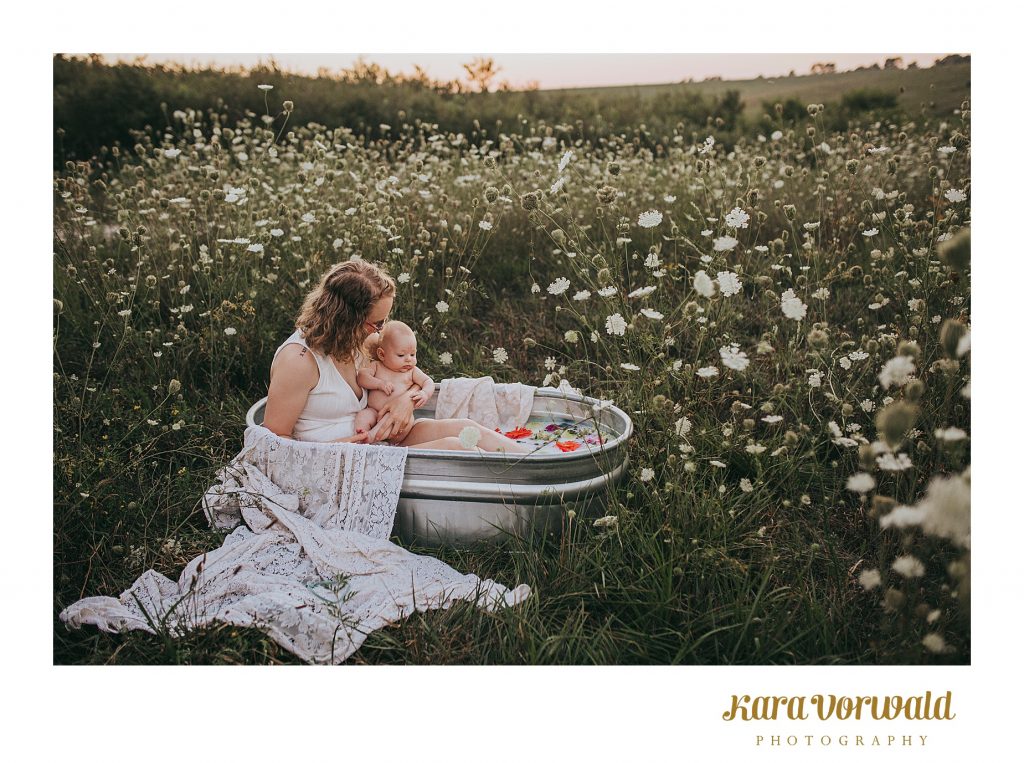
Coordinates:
(313, 391)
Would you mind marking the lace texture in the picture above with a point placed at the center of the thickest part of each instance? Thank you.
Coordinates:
(309, 561)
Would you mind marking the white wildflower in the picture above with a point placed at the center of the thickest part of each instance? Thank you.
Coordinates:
(733, 357)
(725, 243)
(869, 579)
(615, 324)
(703, 284)
(729, 283)
(861, 482)
(469, 437)
(649, 219)
(953, 434)
(737, 218)
(792, 306)
(896, 371)
(894, 462)
(559, 286)
(908, 566)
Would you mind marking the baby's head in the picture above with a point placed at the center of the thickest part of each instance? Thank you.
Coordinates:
(397, 346)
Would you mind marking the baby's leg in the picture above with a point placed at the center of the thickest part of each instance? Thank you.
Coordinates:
(365, 419)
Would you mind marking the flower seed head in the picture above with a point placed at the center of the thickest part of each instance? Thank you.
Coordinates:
(895, 421)
(949, 336)
(914, 391)
(956, 252)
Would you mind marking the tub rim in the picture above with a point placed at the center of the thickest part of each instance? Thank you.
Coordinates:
(609, 446)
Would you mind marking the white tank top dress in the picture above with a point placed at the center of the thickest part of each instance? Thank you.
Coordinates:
(332, 406)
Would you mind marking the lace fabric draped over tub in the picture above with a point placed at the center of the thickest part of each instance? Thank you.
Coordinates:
(309, 561)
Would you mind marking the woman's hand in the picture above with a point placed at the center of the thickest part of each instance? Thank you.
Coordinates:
(357, 437)
(395, 418)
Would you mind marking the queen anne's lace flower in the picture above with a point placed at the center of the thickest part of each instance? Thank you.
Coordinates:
(559, 286)
(703, 284)
(615, 324)
(792, 306)
(733, 357)
(737, 218)
(896, 371)
(729, 283)
(649, 219)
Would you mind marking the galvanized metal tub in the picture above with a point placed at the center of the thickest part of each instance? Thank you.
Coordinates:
(461, 497)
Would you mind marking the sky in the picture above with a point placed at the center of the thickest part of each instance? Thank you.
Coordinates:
(560, 70)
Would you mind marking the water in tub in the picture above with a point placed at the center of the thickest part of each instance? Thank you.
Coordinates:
(553, 434)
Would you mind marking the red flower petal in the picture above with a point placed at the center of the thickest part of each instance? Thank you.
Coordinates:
(567, 445)
(519, 433)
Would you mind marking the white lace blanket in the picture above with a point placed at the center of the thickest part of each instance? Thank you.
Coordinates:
(310, 564)
(494, 405)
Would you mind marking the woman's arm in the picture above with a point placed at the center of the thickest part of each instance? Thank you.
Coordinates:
(395, 417)
(295, 374)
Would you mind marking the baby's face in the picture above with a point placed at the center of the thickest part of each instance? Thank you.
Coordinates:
(398, 353)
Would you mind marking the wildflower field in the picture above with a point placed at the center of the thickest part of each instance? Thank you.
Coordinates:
(785, 316)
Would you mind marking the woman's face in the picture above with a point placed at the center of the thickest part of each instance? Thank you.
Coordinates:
(378, 315)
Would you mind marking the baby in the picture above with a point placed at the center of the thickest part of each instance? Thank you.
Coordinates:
(393, 371)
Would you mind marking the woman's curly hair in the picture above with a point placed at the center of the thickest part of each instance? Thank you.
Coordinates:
(333, 314)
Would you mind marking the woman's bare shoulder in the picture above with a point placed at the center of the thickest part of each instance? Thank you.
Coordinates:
(296, 365)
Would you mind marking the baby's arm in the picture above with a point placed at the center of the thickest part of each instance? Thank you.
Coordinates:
(426, 385)
(367, 379)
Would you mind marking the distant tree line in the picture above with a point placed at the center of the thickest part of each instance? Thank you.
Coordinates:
(96, 104)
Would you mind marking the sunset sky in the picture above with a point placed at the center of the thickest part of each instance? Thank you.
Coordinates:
(561, 70)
